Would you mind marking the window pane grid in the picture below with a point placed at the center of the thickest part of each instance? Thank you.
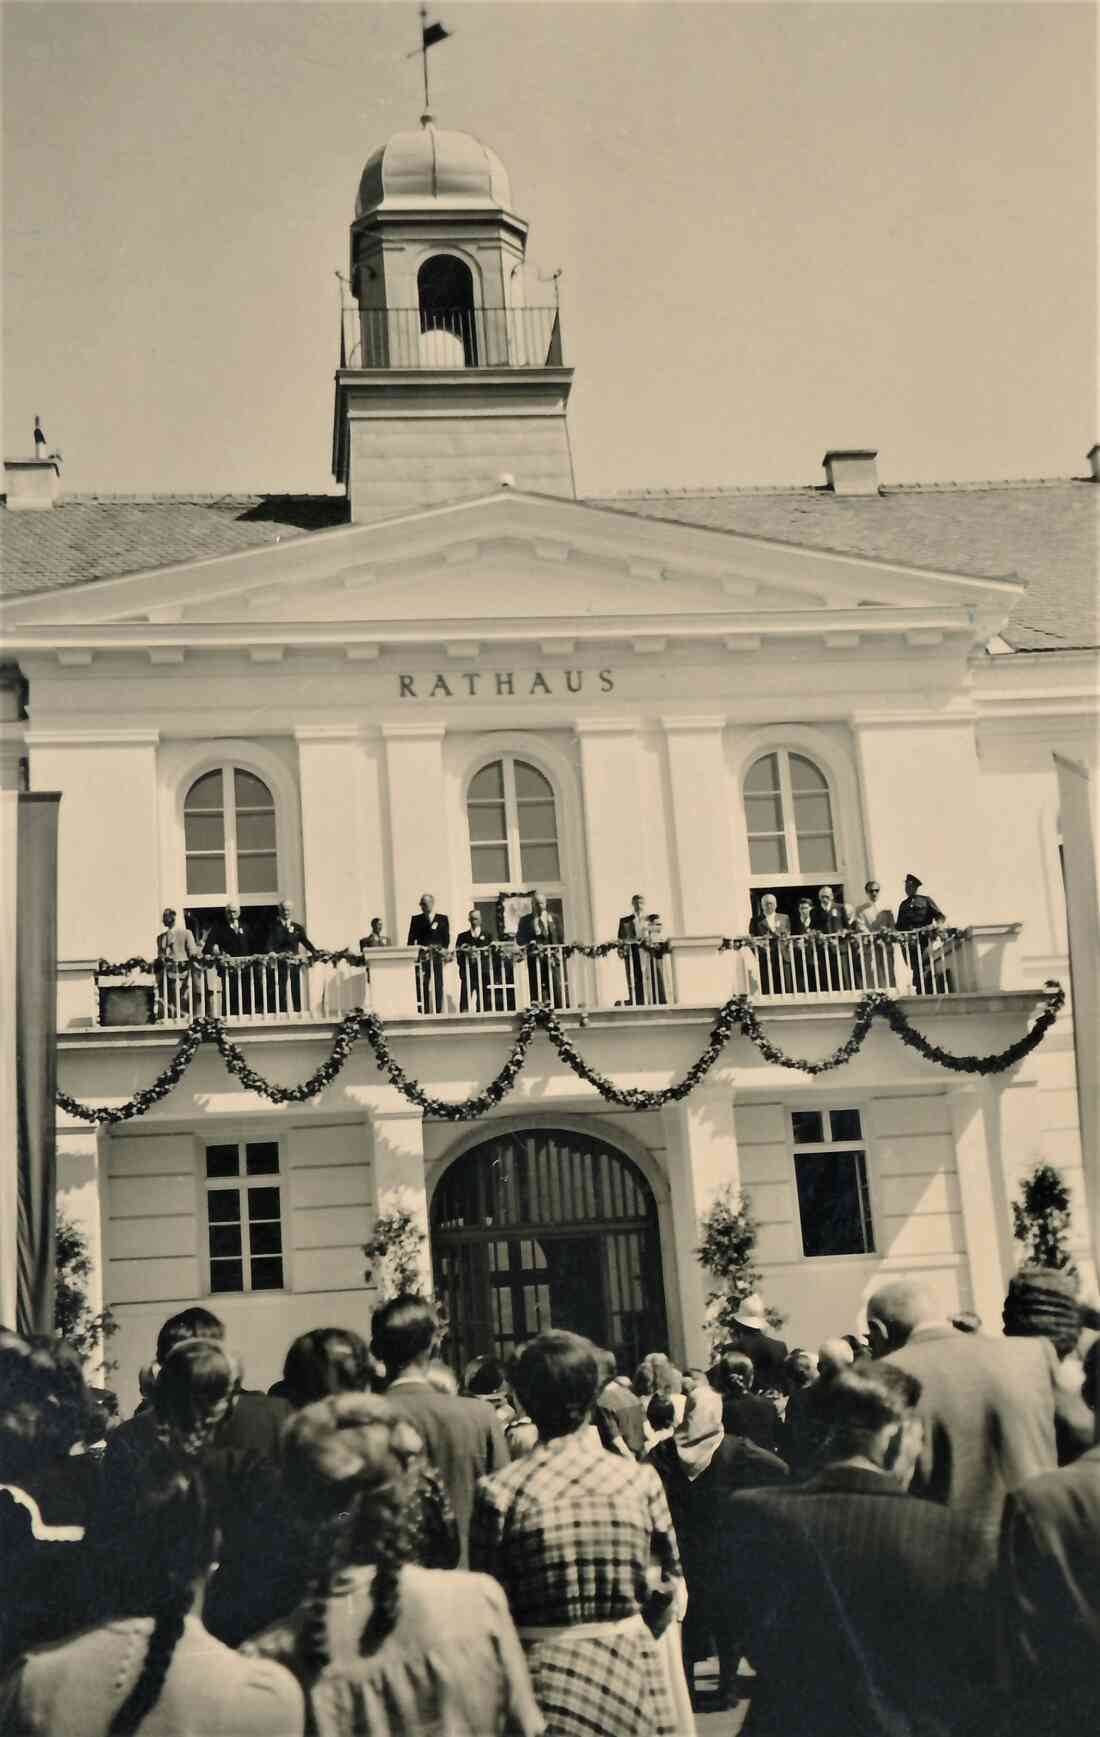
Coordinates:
(243, 860)
(239, 1205)
(512, 821)
(788, 816)
(834, 1197)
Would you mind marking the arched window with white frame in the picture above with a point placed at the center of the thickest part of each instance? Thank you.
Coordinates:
(230, 848)
(512, 815)
(791, 825)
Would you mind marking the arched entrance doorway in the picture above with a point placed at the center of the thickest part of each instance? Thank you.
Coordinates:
(544, 1228)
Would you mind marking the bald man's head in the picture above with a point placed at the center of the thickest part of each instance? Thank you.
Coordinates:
(896, 1310)
(833, 1356)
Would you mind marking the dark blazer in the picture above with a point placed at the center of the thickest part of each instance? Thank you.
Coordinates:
(864, 1612)
(988, 1411)
(752, 1416)
(525, 930)
(833, 921)
(619, 1410)
(464, 1439)
(768, 1354)
(782, 929)
(287, 938)
(1050, 1562)
(433, 931)
(627, 931)
(220, 938)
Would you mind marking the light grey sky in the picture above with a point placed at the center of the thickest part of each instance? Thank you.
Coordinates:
(780, 227)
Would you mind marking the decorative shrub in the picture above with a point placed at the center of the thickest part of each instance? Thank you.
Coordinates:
(73, 1317)
(726, 1252)
(1041, 1219)
(397, 1250)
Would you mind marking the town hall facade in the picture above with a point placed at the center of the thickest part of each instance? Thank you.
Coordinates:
(460, 680)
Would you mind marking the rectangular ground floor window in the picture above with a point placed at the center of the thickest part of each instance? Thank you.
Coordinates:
(834, 1200)
(244, 1214)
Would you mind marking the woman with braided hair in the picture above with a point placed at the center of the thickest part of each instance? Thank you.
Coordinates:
(381, 1644)
(154, 1668)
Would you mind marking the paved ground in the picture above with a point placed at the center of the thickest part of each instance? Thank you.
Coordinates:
(710, 1721)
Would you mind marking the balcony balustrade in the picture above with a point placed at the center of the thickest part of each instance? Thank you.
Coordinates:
(399, 983)
(451, 338)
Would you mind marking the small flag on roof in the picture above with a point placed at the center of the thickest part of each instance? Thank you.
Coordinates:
(433, 33)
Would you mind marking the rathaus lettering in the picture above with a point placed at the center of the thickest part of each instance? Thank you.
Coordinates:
(502, 684)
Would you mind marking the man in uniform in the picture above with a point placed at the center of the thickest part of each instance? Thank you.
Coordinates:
(918, 911)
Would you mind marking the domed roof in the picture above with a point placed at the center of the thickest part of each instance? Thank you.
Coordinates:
(428, 163)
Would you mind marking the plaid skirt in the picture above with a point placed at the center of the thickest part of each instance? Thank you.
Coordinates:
(609, 1685)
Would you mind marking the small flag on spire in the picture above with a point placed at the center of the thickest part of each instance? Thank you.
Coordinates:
(433, 33)
(39, 437)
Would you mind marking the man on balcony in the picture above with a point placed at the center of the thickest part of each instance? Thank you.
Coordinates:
(877, 955)
(226, 941)
(919, 911)
(645, 983)
(429, 930)
(773, 930)
(539, 935)
(286, 937)
(835, 955)
(804, 949)
(176, 947)
(477, 965)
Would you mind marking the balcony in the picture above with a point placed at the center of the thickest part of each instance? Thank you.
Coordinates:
(411, 338)
(688, 974)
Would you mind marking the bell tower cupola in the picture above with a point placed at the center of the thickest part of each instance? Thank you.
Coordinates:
(451, 373)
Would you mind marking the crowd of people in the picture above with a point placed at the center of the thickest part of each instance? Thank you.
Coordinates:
(895, 1535)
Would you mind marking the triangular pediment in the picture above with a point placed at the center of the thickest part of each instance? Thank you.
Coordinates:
(514, 558)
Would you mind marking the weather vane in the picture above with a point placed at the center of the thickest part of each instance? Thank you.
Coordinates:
(430, 34)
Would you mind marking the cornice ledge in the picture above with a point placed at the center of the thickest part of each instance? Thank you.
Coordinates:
(959, 713)
(597, 724)
(427, 729)
(328, 732)
(92, 737)
(696, 724)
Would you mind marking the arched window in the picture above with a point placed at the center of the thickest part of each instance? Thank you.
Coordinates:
(230, 839)
(514, 843)
(789, 817)
(445, 289)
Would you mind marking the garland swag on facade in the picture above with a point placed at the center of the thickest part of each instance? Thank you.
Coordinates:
(736, 1014)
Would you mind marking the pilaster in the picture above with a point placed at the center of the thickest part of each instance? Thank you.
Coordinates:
(336, 874)
(108, 867)
(615, 828)
(975, 1122)
(399, 1173)
(702, 838)
(701, 1142)
(416, 799)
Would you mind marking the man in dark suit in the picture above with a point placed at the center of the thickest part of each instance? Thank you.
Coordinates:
(463, 1437)
(744, 1413)
(620, 1415)
(862, 1610)
(538, 928)
(834, 956)
(804, 949)
(920, 911)
(1050, 1569)
(228, 939)
(773, 930)
(987, 1405)
(429, 930)
(645, 977)
(751, 1334)
(477, 967)
(287, 936)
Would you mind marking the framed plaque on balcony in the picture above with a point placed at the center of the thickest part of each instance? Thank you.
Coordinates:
(126, 1004)
(510, 908)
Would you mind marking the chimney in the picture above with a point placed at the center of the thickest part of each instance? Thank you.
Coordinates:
(851, 472)
(1093, 456)
(33, 484)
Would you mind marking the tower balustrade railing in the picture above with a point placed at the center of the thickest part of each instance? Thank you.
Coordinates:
(447, 338)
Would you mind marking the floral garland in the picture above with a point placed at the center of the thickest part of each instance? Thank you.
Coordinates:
(887, 937)
(735, 1014)
(1054, 997)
